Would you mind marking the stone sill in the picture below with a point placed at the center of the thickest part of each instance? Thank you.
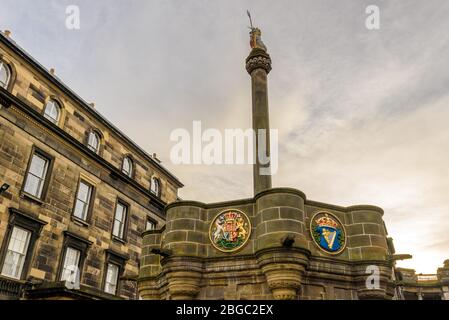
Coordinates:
(27, 196)
(80, 222)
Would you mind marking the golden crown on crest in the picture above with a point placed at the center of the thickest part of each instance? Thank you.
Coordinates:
(327, 221)
(231, 215)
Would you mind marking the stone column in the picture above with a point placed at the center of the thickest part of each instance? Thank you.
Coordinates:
(185, 234)
(280, 216)
(150, 266)
(258, 65)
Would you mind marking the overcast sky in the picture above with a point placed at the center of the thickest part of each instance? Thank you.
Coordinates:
(362, 114)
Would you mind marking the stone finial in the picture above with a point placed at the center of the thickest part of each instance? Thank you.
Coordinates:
(52, 71)
(7, 33)
(92, 105)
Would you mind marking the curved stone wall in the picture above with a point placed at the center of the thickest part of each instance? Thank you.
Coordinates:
(280, 260)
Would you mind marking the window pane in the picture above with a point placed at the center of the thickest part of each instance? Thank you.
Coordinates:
(71, 265)
(79, 209)
(35, 178)
(93, 141)
(82, 200)
(119, 212)
(150, 225)
(15, 256)
(116, 229)
(127, 166)
(83, 191)
(32, 185)
(4, 75)
(52, 111)
(111, 279)
(38, 166)
(119, 220)
(155, 186)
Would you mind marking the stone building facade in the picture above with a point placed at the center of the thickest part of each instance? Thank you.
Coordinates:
(76, 192)
(412, 286)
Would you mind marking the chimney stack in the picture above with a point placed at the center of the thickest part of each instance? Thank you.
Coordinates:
(155, 158)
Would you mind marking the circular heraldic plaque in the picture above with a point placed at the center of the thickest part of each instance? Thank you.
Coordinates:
(328, 232)
(230, 230)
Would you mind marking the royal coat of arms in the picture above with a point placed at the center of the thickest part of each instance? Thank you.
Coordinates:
(328, 232)
(230, 230)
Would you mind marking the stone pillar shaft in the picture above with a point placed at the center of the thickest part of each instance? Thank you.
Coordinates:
(258, 65)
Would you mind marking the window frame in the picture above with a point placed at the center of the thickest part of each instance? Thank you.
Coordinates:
(159, 190)
(50, 163)
(117, 279)
(64, 266)
(23, 254)
(9, 71)
(131, 166)
(119, 260)
(29, 223)
(59, 108)
(152, 221)
(118, 202)
(90, 206)
(12, 71)
(99, 138)
(74, 241)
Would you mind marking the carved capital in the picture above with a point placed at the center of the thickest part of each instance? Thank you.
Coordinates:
(258, 59)
(283, 269)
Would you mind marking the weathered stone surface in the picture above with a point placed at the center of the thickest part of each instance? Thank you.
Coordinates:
(264, 268)
(20, 133)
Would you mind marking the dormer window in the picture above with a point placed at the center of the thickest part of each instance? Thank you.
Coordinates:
(127, 166)
(93, 142)
(155, 186)
(5, 74)
(52, 111)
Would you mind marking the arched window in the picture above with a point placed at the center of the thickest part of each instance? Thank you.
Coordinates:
(127, 166)
(93, 142)
(155, 186)
(52, 111)
(5, 74)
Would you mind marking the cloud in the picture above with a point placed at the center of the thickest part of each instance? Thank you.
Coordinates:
(361, 114)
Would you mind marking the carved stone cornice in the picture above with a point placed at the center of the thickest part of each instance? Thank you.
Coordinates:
(258, 59)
